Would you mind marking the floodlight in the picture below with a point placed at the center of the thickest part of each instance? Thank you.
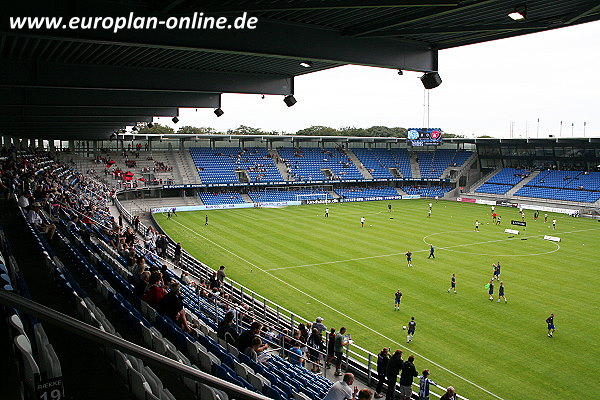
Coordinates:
(175, 120)
(218, 112)
(431, 80)
(306, 64)
(289, 100)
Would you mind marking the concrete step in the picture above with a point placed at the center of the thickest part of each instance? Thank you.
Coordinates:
(524, 182)
(414, 166)
(247, 198)
(401, 192)
(365, 173)
(280, 165)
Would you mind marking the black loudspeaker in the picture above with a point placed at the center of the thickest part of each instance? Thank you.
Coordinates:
(289, 100)
(218, 112)
(431, 80)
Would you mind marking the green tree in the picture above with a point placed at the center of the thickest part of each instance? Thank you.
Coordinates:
(156, 128)
(318, 130)
(245, 130)
(195, 130)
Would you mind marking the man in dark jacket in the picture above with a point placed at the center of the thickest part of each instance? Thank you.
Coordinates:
(406, 378)
(382, 362)
(394, 366)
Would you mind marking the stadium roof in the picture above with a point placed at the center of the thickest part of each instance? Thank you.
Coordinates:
(85, 83)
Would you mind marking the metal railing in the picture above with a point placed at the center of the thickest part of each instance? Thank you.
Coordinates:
(95, 335)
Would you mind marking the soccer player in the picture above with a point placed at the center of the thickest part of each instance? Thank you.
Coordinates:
(491, 290)
(206, 220)
(397, 300)
(452, 284)
(437, 198)
(409, 258)
(550, 322)
(429, 213)
(412, 326)
(431, 251)
(362, 222)
(493, 208)
(327, 213)
(545, 218)
(498, 266)
(494, 215)
(173, 211)
(554, 224)
(169, 214)
(496, 272)
(498, 220)
(501, 292)
(389, 207)
(522, 216)
(476, 225)
(430, 206)
(536, 214)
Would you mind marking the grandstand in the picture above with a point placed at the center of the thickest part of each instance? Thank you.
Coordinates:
(83, 165)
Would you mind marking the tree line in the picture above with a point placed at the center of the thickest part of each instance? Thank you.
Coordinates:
(315, 130)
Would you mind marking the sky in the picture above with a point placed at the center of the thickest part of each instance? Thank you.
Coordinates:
(486, 89)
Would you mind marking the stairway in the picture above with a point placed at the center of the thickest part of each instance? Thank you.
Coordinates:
(280, 165)
(334, 195)
(524, 182)
(365, 173)
(414, 166)
(401, 192)
(187, 167)
(483, 179)
(247, 198)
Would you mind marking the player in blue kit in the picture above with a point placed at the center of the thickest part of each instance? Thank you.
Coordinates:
(409, 258)
(501, 292)
(412, 326)
(491, 289)
(550, 322)
(397, 300)
(452, 284)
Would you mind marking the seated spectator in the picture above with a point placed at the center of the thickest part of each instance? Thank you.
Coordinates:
(72, 224)
(185, 278)
(154, 291)
(365, 394)
(245, 338)
(33, 217)
(171, 306)
(342, 390)
(226, 329)
(140, 286)
(253, 350)
(24, 200)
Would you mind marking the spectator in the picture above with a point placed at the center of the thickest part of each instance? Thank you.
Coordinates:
(154, 291)
(245, 338)
(140, 287)
(185, 278)
(393, 368)
(406, 378)
(382, 361)
(342, 390)
(221, 275)
(330, 347)
(171, 305)
(177, 254)
(226, 329)
(253, 350)
(424, 383)
(365, 394)
(24, 200)
(315, 348)
(72, 224)
(318, 325)
(33, 217)
(295, 356)
(338, 349)
(449, 395)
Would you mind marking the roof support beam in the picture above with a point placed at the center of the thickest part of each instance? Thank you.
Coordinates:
(26, 73)
(7, 120)
(40, 97)
(325, 5)
(96, 112)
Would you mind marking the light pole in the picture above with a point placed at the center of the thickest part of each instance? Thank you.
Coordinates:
(560, 131)
(537, 129)
(584, 124)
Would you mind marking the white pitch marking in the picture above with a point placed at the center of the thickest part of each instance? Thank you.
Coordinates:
(341, 313)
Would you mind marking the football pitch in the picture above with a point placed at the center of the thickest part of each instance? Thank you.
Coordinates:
(334, 268)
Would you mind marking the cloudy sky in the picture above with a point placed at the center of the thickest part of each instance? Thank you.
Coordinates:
(486, 88)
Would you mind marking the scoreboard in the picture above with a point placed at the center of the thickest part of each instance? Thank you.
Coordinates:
(424, 136)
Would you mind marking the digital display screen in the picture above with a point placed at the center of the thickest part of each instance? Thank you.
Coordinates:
(424, 136)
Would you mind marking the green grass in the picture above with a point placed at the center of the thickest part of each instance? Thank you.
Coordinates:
(500, 347)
